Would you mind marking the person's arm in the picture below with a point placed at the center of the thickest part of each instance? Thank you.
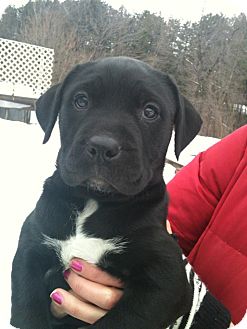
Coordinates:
(196, 190)
(94, 293)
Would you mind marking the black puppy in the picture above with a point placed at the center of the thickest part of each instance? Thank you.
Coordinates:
(106, 202)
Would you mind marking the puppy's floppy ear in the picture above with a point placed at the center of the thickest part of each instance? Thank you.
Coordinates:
(187, 121)
(49, 104)
(47, 109)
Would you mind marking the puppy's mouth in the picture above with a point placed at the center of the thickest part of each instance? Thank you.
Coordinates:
(103, 186)
(99, 185)
(104, 180)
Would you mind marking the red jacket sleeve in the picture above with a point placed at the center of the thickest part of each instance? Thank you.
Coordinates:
(196, 190)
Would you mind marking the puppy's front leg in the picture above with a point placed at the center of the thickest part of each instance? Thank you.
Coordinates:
(156, 291)
(29, 295)
(144, 306)
(30, 298)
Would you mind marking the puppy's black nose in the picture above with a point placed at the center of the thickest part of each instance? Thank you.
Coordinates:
(103, 147)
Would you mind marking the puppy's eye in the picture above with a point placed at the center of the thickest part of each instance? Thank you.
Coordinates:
(81, 102)
(150, 112)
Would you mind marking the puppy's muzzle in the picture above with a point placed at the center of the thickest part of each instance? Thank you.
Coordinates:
(102, 148)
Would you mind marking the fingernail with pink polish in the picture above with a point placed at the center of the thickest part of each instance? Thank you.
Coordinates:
(76, 265)
(66, 274)
(57, 298)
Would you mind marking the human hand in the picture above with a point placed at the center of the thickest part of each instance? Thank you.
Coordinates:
(93, 292)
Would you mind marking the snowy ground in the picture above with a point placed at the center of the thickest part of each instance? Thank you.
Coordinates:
(24, 164)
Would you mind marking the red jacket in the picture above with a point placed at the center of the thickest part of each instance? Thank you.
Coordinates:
(208, 212)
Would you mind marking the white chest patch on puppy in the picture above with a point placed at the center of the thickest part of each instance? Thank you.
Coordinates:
(81, 245)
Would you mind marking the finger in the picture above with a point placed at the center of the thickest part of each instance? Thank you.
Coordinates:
(63, 302)
(93, 273)
(57, 311)
(168, 227)
(103, 296)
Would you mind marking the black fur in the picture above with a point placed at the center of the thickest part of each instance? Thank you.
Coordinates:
(113, 153)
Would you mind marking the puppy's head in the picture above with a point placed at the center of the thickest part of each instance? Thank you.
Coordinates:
(116, 117)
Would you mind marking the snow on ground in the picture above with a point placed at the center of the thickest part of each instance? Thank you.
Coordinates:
(24, 165)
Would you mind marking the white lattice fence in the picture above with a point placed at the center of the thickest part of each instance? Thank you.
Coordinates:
(23, 64)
